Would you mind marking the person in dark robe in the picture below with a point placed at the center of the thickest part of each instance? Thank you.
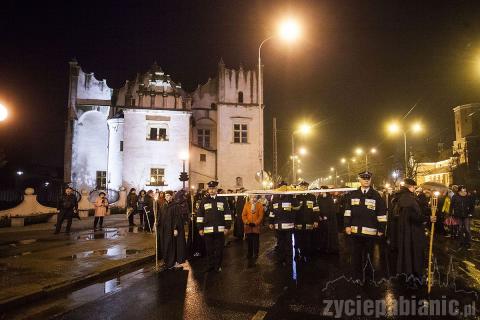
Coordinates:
(412, 242)
(149, 211)
(196, 244)
(173, 215)
(68, 206)
(238, 230)
(329, 231)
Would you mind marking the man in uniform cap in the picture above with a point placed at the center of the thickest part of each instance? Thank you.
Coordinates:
(364, 221)
(214, 219)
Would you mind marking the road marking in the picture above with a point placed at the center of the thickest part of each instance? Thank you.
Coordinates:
(259, 315)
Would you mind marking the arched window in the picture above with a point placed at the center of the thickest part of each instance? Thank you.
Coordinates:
(240, 97)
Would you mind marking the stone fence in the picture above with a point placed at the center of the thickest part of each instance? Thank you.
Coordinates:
(30, 207)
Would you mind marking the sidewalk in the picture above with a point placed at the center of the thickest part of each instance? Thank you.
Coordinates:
(34, 262)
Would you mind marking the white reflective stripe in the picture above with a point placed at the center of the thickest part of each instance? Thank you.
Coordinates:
(309, 226)
(208, 230)
(287, 225)
(228, 217)
(199, 219)
(272, 215)
(275, 206)
(221, 228)
(347, 213)
(354, 229)
(369, 231)
(286, 204)
(298, 226)
(316, 209)
(325, 218)
(382, 218)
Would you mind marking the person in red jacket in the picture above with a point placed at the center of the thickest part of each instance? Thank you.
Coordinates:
(252, 217)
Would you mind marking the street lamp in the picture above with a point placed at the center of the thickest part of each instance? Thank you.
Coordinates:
(395, 128)
(302, 151)
(360, 151)
(3, 113)
(289, 31)
(184, 175)
(332, 169)
(303, 129)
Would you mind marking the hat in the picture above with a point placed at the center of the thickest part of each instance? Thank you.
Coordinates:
(212, 184)
(367, 175)
(410, 182)
(323, 187)
(170, 192)
(281, 183)
(304, 184)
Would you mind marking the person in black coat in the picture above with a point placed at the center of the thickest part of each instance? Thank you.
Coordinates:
(68, 206)
(462, 208)
(329, 226)
(196, 243)
(171, 229)
(238, 230)
(412, 242)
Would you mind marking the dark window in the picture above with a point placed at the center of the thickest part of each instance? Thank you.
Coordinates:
(240, 97)
(121, 145)
(101, 181)
(240, 133)
(158, 134)
(201, 186)
(203, 157)
(213, 106)
(203, 138)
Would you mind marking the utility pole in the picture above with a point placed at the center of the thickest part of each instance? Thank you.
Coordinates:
(275, 152)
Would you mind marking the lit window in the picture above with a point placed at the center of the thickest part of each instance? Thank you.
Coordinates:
(240, 133)
(203, 138)
(157, 177)
(101, 181)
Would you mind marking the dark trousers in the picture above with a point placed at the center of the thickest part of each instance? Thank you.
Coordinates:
(149, 221)
(61, 217)
(464, 231)
(362, 256)
(214, 243)
(96, 221)
(284, 245)
(130, 218)
(253, 240)
(303, 242)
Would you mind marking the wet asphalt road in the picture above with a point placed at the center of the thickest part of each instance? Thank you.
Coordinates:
(265, 290)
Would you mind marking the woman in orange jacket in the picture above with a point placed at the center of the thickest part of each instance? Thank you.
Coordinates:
(252, 216)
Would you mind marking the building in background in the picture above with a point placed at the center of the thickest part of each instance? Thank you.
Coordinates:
(440, 171)
(133, 136)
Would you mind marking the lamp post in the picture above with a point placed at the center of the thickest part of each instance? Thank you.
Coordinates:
(289, 31)
(184, 175)
(360, 151)
(394, 128)
(304, 129)
(334, 170)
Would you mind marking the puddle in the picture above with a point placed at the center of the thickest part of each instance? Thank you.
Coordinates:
(26, 253)
(28, 241)
(114, 252)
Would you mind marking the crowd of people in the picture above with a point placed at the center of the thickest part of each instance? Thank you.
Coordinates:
(309, 221)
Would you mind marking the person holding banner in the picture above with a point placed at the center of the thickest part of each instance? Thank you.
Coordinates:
(214, 219)
(412, 242)
(365, 218)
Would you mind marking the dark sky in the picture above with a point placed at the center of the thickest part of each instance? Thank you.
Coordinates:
(358, 64)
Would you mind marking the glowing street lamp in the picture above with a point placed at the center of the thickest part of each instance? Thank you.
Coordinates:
(289, 31)
(360, 151)
(303, 129)
(3, 113)
(302, 151)
(395, 128)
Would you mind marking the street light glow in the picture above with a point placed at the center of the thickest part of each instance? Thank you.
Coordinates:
(343, 160)
(393, 127)
(332, 169)
(359, 151)
(184, 155)
(289, 30)
(3, 112)
(416, 127)
(302, 151)
(299, 171)
(305, 128)
(373, 151)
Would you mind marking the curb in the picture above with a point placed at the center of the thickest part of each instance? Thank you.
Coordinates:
(71, 284)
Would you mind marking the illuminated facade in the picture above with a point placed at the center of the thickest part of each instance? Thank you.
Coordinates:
(133, 136)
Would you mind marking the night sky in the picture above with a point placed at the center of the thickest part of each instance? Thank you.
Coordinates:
(359, 63)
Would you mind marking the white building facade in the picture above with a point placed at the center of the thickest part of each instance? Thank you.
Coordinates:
(134, 136)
